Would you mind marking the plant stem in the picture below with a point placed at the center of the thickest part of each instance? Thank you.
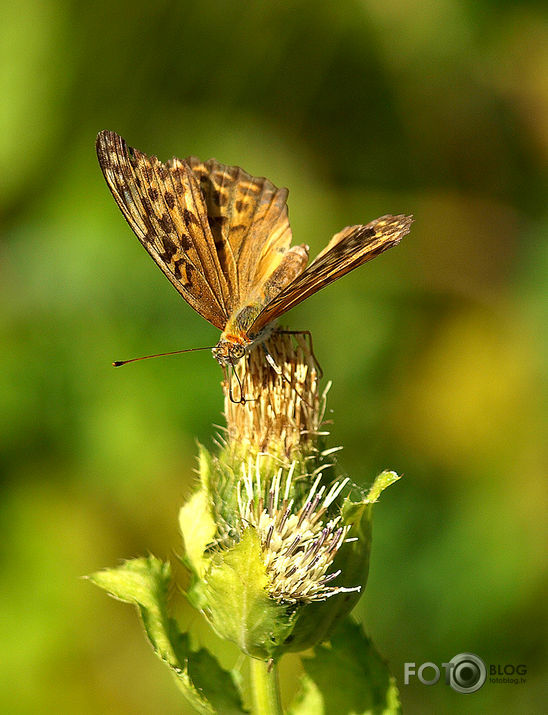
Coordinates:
(265, 688)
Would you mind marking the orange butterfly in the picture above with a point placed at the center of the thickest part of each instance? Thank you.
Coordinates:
(222, 237)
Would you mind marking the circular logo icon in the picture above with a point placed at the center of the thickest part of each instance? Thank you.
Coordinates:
(468, 673)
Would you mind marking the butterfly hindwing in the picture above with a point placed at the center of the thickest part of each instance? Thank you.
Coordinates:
(347, 250)
(164, 206)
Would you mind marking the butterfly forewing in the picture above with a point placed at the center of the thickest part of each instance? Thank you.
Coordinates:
(347, 250)
(164, 207)
(186, 211)
(249, 222)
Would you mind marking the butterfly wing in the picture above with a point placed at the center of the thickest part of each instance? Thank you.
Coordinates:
(165, 208)
(250, 225)
(222, 237)
(347, 250)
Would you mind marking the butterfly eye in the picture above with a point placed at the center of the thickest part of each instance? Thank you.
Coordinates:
(237, 352)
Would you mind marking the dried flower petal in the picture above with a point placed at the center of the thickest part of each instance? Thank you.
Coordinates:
(282, 408)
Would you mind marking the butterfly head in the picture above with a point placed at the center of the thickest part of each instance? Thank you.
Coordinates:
(227, 352)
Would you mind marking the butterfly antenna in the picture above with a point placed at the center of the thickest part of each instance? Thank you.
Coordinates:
(119, 363)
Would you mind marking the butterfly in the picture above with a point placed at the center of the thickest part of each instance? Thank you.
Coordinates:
(222, 237)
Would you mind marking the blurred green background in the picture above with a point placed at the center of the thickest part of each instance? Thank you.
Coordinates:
(439, 109)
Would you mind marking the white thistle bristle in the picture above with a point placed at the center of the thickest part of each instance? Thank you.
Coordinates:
(298, 545)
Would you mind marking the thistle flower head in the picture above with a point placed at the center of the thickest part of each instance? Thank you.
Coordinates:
(298, 543)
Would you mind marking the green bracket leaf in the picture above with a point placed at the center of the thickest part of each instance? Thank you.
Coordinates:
(382, 481)
(144, 582)
(364, 685)
(196, 520)
(237, 602)
(198, 529)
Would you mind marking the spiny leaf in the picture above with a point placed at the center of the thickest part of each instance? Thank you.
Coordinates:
(145, 583)
(364, 685)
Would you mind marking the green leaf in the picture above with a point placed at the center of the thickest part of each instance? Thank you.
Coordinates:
(384, 479)
(145, 583)
(196, 521)
(238, 605)
(345, 677)
(220, 687)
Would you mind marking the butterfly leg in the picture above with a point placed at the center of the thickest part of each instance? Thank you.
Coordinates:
(228, 381)
(270, 360)
(310, 346)
(242, 399)
(278, 370)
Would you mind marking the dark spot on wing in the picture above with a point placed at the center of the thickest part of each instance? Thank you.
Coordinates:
(148, 172)
(166, 223)
(147, 206)
(186, 243)
(177, 267)
(216, 226)
(216, 222)
(189, 217)
(170, 249)
(104, 156)
(181, 190)
(183, 271)
(153, 193)
(357, 239)
(170, 199)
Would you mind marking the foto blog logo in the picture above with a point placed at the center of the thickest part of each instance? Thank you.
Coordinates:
(465, 673)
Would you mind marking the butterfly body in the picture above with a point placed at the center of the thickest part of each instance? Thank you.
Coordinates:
(222, 238)
(236, 339)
